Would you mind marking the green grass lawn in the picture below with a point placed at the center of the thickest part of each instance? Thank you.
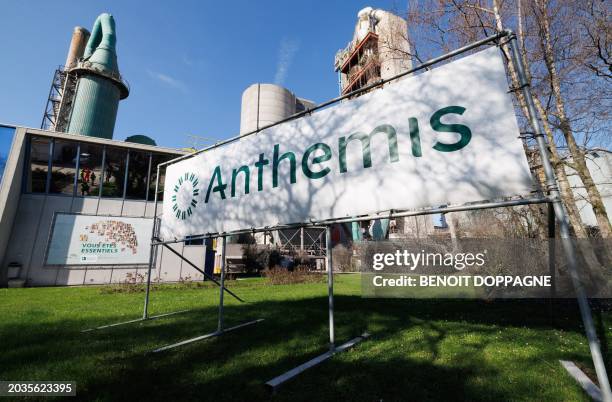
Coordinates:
(419, 350)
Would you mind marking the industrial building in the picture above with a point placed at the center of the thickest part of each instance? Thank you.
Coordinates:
(49, 173)
(63, 186)
(72, 169)
(379, 50)
(72, 172)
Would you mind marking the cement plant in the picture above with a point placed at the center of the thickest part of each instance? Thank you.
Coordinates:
(414, 205)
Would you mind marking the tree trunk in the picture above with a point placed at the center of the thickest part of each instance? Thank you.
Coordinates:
(565, 190)
(579, 161)
(543, 230)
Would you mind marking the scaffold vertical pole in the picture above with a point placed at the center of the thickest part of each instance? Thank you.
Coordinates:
(564, 232)
(330, 287)
(145, 313)
(222, 282)
(551, 250)
(302, 241)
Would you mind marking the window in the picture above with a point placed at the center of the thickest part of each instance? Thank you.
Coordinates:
(39, 165)
(63, 167)
(157, 159)
(114, 172)
(138, 170)
(90, 169)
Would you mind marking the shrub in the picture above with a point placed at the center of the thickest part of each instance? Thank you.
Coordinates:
(257, 258)
(342, 258)
(283, 276)
(135, 283)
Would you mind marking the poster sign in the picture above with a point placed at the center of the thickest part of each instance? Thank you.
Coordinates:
(99, 240)
(447, 136)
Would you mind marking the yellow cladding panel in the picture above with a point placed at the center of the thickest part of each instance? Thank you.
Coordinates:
(217, 269)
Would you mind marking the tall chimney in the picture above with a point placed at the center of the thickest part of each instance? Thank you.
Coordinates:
(99, 86)
(80, 36)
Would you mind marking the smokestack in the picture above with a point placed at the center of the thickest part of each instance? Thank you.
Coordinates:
(80, 36)
(100, 86)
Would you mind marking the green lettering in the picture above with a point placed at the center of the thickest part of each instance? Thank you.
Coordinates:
(260, 165)
(464, 131)
(327, 154)
(220, 187)
(276, 160)
(247, 176)
(365, 146)
(415, 139)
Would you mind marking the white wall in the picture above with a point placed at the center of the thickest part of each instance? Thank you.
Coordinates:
(31, 232)
(10, 189)
(600, 166)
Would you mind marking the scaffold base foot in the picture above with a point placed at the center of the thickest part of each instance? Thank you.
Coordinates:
(276, 382)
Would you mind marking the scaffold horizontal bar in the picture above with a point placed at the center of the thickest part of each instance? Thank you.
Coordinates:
(202, 337)
(136, 320)
(379, 215)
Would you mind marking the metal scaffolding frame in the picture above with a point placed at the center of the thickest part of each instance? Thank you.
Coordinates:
(59, 101)
(308, 246)
(552, 199)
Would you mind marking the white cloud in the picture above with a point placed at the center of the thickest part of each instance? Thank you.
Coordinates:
(286, 52)
(168, 80)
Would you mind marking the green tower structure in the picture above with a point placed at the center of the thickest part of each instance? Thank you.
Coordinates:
(141, 139)
(99, 85)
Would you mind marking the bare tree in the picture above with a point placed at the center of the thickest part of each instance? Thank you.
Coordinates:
(572, 118)
(542, 13)
(596, 22)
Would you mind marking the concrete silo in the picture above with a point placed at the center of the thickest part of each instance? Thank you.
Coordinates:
(264, 104)
(99, 86)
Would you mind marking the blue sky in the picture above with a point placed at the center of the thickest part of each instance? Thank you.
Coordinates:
(187, 62)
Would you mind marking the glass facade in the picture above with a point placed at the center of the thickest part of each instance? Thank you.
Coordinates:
(156, 160)
(114, 172)
(138, 171)
(38, 166)
(90, 169)
(58, 166)
(63, 167)
(6, 139)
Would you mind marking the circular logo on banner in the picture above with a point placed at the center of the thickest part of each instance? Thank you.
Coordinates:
(184, 196)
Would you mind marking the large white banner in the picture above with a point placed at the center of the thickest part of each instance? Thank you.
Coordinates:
(447, 136)
(99, 240)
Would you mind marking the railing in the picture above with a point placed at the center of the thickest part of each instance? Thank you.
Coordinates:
(344, 54)
(114, 76)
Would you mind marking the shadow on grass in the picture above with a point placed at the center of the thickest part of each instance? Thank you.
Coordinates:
(395, 364)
